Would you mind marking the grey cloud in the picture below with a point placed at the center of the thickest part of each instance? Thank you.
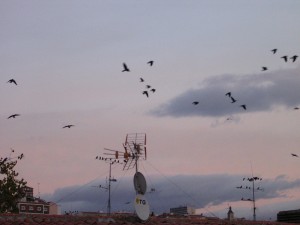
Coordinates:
(260, 92)
(199, 191)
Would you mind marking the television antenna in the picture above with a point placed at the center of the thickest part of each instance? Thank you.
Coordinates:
(254, 189)
(135, 144)
(110, 161)
(134, 150)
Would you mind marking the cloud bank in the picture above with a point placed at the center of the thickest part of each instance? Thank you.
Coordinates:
(259, 92)
(199, 191)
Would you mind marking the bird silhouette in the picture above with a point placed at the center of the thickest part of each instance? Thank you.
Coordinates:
(228, 94)
(195, 103)
(13, 116)
(141, 80)
(69, 126)
(146, 93)
(12, 81)
(285, 57)
(264, 68)
(150, 62)
(294, 58)
(233, 100)
(21, 156)
(153, 90)
(148, 86)
(125, 68)
(244, 107)
(274, 50)
(296, 108)
(295, 155)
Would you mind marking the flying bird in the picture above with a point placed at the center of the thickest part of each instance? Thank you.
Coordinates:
(150, 62)
(69, 126)
(125, 68)
(21, 156)
(195, 103)
(274, 50)
(285, 57)
(153, 90)
(148, 86)
(232, 100)
(264, 68)
(294, 58)
(243, 106)
(12, 81)
(295, 155)
(13, 116)
(141, 80)
(228, 94)
(146, 93)
(296, 108)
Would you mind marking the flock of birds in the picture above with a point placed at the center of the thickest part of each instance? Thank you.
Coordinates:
(148, 87)
(13, 81)
(264, 68)
(286, 59)
(13, 116)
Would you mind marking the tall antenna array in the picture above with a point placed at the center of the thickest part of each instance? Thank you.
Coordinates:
(252, 188)
(134, 150)
(111, 161)
(135, 147)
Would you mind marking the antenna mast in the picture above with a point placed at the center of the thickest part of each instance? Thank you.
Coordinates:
(251, 179)
(110, 179)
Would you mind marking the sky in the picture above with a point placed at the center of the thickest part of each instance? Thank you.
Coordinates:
(67, 59)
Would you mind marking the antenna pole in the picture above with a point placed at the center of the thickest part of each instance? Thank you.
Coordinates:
(252, 179)
(253, 198)
(38, 190)
(109, 180)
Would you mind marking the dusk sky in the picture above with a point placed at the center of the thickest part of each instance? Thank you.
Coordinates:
(66, 57)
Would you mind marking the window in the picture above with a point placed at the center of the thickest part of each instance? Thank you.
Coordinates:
(30, 208)
(23, 208)
(39, 208)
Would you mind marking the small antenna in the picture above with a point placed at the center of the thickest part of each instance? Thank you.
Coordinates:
(111, 161)
(252, 179)
(38, 189)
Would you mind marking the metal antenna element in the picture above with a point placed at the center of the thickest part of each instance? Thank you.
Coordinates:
(135, 143)
(111, 161)
(134, 149)
(254, 189)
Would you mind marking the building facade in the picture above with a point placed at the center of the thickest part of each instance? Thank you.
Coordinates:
(290, 216)
(183, 210)
(31, 205)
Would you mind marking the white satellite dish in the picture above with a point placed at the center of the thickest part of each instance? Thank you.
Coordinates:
(141, 206)
(139, 182)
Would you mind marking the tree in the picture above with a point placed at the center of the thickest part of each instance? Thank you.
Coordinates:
(11, 188)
